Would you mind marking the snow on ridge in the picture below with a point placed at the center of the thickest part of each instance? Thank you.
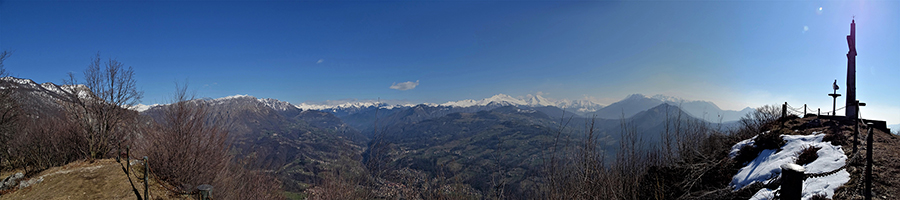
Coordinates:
(141, 107)
(665, 98)
(22, 81)
(81, 90)
(349, 104)
(767, 166)
(538, 100)
(460, 103)
(503, 99)
(235, 97)
(579, 105)
(499, 99)
(276, 104)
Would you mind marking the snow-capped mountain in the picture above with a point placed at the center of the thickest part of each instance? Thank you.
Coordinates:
(625, 108)
(334, 106)
(528, 100)
(275, 104)
(499, 99)
(349, 107)
(48, 92)
(579, 106)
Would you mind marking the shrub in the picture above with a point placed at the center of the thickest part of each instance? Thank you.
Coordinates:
(837, 138)
(38, 136)
(762, 119)
(747, 154)
(818, 197)
(184, 150)
(808, 155)
(239, 182)
(769, 140)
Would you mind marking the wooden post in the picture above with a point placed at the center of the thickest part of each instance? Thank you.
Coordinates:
(205, 191)
(818, 111)
(784, 110)
(804, 110)
(792, 181)
(146, 179)
(869, 150)
(834, 95)
(851, 110)
(127, 159)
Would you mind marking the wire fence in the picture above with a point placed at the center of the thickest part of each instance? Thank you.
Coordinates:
(799, 111)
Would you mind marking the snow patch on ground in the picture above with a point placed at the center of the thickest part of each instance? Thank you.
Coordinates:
(767, 166)
(737, 147)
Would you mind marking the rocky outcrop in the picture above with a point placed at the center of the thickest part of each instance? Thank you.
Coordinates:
(11, 181)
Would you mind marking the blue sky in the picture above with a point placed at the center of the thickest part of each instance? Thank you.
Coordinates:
(733, 53)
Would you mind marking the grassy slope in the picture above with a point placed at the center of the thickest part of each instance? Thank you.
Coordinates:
(103, 179)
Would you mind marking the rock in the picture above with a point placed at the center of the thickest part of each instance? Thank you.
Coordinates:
(30, 182)
(10, 182)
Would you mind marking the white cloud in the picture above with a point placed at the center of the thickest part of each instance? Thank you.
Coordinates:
(805, 28)
(409, 85)
(320, 61)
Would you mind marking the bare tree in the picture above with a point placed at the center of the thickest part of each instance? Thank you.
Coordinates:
(9, 113)
(99, 107)
(3, 56)
(188, 148)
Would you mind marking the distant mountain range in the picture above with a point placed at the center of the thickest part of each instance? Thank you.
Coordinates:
(700, 109)
(361, 114)
(581, 106)
(585, 108)
(622, 109)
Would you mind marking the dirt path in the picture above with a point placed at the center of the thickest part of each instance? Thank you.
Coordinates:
(103, 179)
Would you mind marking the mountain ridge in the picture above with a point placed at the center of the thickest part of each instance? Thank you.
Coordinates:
(630, 105)
(626, 107)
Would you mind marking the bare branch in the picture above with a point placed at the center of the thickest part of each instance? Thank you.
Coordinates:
(3, 56)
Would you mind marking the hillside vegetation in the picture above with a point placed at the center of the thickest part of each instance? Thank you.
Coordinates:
(48, 125)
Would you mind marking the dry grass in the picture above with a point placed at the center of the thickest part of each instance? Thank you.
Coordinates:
(102, 179)
(886, 169)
